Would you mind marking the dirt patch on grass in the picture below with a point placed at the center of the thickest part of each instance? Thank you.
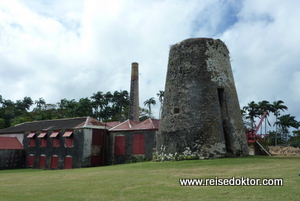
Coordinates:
(284, 151)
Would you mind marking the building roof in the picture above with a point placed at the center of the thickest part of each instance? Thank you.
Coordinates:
(111, 124)
(56, 124)
(147, 124)
(129, 125)
(10, 143)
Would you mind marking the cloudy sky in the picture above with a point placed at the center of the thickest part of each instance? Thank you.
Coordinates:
(71, 49)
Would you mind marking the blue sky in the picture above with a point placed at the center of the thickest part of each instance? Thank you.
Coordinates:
(74, 48)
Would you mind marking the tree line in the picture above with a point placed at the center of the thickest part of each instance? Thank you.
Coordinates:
(283, 122)
(102, 106)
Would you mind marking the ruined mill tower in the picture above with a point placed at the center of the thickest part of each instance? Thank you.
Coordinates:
(201, 114)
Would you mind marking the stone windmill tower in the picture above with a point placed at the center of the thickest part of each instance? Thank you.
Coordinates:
(201, 113)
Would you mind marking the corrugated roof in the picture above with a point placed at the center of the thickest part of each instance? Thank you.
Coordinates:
(30, 135)
(128, 124)
(112, 124)
(92, 123)
(148, 124)
(10, 143)
(54, 134)
(56, 124)
(42, 135)
(67, 134)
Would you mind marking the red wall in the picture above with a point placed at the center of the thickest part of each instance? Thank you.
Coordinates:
(68, 162)
(54, 162)
(138, 144)
(30, 161)
(120, 145)
(42, 162)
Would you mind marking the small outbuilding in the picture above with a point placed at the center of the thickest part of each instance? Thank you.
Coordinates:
(132, 140)
(12, 153)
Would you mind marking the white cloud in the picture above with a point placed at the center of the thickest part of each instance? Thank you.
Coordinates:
(264, 50)
(72, 49)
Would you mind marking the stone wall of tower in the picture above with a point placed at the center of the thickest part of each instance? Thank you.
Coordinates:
(201, 113)
(134, 92)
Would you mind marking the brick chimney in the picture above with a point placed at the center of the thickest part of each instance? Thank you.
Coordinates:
(134, 93)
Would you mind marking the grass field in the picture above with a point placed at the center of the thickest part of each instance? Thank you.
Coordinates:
(155, 181)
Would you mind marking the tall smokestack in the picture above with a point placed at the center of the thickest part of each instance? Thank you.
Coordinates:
(134, 112)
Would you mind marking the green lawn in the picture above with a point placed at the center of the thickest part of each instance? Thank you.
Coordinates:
(155, 181)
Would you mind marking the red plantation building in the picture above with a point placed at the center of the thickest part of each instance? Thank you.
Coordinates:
(75, 143)
(132, 139)
(61, 144)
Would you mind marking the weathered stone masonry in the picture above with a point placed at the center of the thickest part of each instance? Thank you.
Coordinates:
(134, 112)
(201, 114)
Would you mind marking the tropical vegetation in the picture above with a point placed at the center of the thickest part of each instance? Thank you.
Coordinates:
(102, 106)
(160, 96)
(283, 122)
(148, 103)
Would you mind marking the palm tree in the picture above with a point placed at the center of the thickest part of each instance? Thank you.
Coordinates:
(252, 109)
(265, 106)
(246, 123)
(120, 102)
(24, 104)
(107, 112)
(150, 102)
(68, 107)
(39, 103)
(285, 122)
(160, 96)
(98, 103)
(85, 107)
(277, 106)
